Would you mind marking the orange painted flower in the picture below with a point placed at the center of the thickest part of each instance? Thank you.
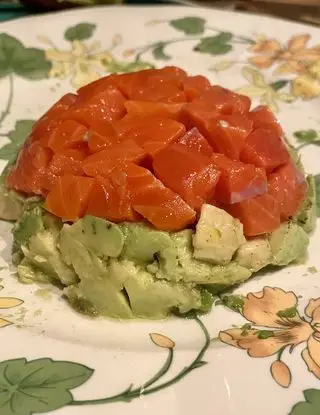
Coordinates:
(307, 84)
(162, 341)
(293, 57)
(275, 312)
(7, 303)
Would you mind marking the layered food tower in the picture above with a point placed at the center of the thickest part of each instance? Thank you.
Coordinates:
(147, 193)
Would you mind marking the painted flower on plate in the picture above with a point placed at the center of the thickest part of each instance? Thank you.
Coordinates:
(83, 63)
(276, 324)
(7, 303)
(292, 57)
(307, 84)
(259, 88)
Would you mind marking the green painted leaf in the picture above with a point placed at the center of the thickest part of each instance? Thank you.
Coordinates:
(310, 406)
(159, 53)
(265, 334)
(215, 45)
(245, 329)
(21, 130)
(80, 31)
(28, 63)
(307, 135)
(38, 386)
(288, 312)
(224, 37)
(31, 63)
(17, 136)
(279, 84)
(9, 151)
(8, 50)
(189, 25)
(234, 302)
(317, 183)
(198, 364)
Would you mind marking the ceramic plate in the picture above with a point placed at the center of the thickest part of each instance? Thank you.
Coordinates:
(260, 355)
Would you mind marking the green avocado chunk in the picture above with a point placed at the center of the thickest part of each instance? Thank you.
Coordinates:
(288, 244)
(152, 298)
(100, 236)
(142, 243)
(184, 267)
(96, 287)
(119, 287)
(132, 270)
(255, 254)
(307, 216)
(43, 254)
(11, 205)
(28, 273)
(29, 224)
(35, 249)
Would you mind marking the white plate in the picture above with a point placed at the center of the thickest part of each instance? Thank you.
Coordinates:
(53, 358)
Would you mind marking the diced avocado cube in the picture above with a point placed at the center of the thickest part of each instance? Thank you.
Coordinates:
(29, 224)
(100, 280)
(188, 269)
(100, 236)
(28, 273)
(74, 253)
(152, 298)
(226, 276)
(218, 236)
(288, 244)
(255, 254)
(11, 205)
(142, 243)
(41, 255)
(99, 297)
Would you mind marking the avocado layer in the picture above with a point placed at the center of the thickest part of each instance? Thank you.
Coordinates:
(131, 270)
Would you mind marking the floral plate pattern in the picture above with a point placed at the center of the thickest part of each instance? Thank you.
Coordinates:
(52, 359)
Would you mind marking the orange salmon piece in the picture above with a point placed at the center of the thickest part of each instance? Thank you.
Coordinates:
(159, 89)
(67, 135)
(259, 215)
(103, 162)
(153, 109)
(195, 86)
(98, 110)
(128, 82)
(188, 173)
(163, 208)
(225, 101)
(51, 118)
(227, 134)
(288, 186)
(66, 163)
(263, 117)
(110, 202)
(238, 181)
(30, 168)
(112, 196)
(102, 138)
(151, 134)
(69, 197)
(264, 148)
(194, 140)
